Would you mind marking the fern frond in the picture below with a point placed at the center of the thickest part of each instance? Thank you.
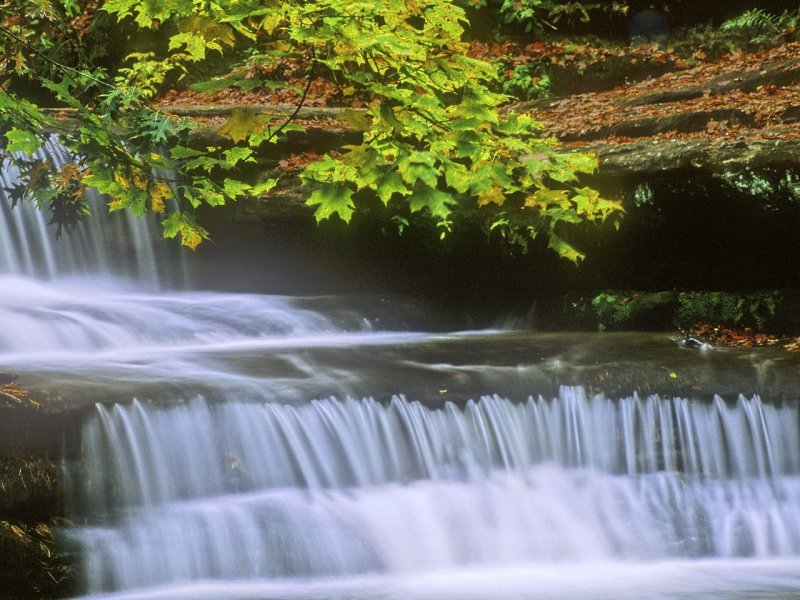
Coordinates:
(759, 21)
(755, 19)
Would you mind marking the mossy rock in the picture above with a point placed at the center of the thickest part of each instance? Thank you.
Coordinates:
(771, 311)
(643, 311)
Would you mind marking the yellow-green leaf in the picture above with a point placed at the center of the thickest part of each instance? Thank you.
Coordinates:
(242, 124)
(565, 249)
(544, 198)
(494, 195)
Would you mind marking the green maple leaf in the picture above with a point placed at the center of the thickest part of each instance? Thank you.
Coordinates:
(582, 162)
(437, 202)
(330, 199)
(390, 185)
(20, 140)
(419, 166)
(236, 154)
(263, 187)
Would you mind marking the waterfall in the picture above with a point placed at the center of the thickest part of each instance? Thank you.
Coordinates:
(104, 244)
(228, 480)
(235, 490)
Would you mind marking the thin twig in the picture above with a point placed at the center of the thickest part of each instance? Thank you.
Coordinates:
(299, 105)
(63, 67)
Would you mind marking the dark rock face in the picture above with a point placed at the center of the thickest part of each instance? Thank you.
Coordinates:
(36, 563)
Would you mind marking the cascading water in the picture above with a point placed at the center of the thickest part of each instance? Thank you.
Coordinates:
(246, 446)
(343, 492)
(117, 245)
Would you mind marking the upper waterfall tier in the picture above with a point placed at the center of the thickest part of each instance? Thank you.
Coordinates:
(117, 244)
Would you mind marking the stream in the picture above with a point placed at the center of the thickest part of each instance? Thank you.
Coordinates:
(249, 446)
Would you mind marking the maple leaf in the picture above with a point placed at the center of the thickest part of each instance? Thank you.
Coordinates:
(20, 140)
(544, 198)
(242, 124)
(564, 249)
(391, 184)
(494, 195)
(330, 199)
(184, 224)
(16, 193)
(199, 34)
(437, 202)
(69, 173)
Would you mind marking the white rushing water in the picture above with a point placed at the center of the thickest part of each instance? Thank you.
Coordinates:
(341, 491)
(113, 245)
(272, 454)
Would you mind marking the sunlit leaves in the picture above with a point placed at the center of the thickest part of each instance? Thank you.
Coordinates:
(158, 195)
(20, 140)
(564, 249)
(582, 162)
(438, 203)
(434, 138)
(237, 154)
(493, 195)
(418, 166)
(391, 183)
(440, 137)
(242, 124)
(185, 226)
(332, 199)
(148, 13)
(197, 34)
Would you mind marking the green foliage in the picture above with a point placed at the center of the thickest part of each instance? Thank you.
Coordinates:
(760, 27)
(634, 310)
(527, 82)
(765, 311)
(435, 140)
(535, 15)
(748, 310)
(145, 73)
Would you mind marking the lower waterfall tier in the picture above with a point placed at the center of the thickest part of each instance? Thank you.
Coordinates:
(263, 491)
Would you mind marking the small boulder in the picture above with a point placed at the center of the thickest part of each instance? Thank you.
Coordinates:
(648, 27)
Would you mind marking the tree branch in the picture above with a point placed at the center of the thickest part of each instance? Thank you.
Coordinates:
(6, 31)
(299, 106)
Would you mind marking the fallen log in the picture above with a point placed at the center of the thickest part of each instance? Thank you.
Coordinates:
(658, 156)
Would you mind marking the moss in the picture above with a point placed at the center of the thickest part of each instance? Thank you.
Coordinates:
(634, 310)
(774, 312)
